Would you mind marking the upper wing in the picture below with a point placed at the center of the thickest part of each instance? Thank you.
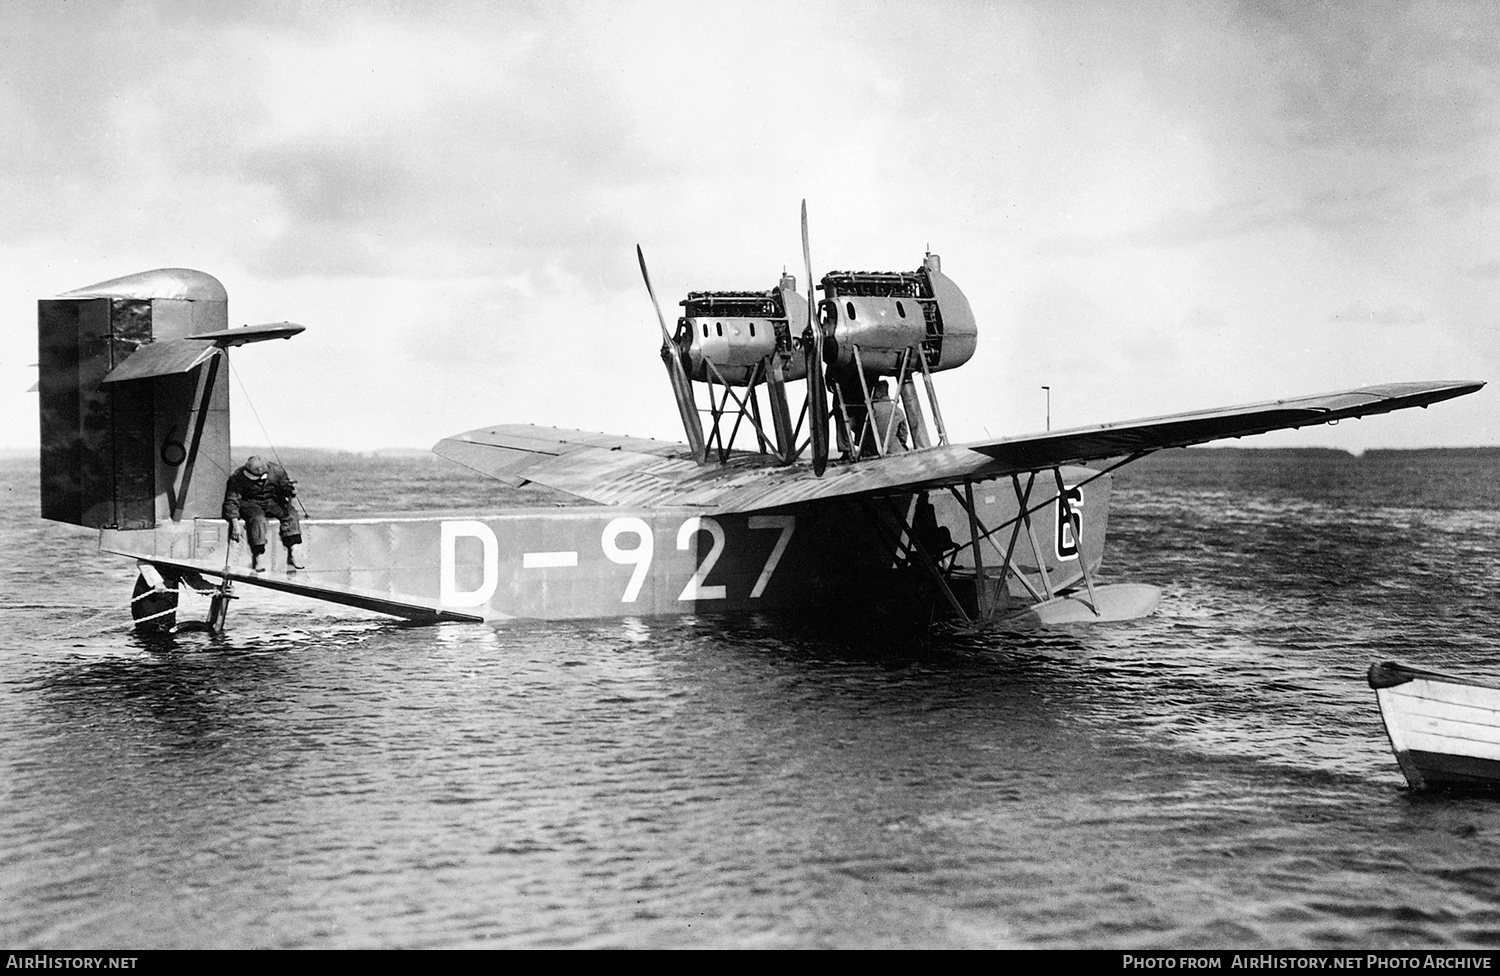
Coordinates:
(635, 471)
(597, 467)
(1201, 426)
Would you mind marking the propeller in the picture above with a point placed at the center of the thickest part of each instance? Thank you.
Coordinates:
(682, 386)
(817, 386)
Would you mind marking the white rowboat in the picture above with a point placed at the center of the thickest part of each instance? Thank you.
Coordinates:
(1445, 730)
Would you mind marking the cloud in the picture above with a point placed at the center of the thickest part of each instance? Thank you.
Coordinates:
(521, 151)
(1389, 76)
(1363, 312)
(440, 147)
(1476, 193)
(1339, 210)
(1352, 207)
(1138, 201)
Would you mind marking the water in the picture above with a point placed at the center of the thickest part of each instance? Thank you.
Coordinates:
(1214, 776)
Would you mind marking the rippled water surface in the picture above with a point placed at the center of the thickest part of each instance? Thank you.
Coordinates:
(1213, 776)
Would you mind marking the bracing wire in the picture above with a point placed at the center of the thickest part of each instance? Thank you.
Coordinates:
(265, 433)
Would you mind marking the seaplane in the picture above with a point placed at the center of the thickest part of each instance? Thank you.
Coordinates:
(764, 509)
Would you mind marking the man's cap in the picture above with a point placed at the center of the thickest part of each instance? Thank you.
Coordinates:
(257, 467)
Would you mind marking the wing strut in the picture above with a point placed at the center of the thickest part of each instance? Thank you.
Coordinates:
(937, 412)
(882, 518)
(980, 532)
(1025, 519)
(749, 406)
(870, 428)
(1077, 523)
(904, 535)
(177, 496)
(981, 585)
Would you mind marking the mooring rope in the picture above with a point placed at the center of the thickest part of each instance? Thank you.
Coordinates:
(77, 629)
(174, 590)
(152, 592)
(64, 631)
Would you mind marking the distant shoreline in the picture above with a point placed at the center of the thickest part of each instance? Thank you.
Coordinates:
(11, 453)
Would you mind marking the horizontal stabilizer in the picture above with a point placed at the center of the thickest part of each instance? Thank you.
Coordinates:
(225, 338)
(166, 358)
(172, 356)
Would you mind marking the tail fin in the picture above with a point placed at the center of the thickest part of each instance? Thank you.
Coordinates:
(133, 447)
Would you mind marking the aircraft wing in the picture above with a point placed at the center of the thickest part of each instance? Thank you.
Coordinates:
(1202, 426)
(596, 467)
(635, 471)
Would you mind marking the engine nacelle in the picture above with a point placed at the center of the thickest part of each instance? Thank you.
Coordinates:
(886, 313)
(737, 330)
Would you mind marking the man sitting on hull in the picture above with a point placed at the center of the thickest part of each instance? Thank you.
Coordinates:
(257, 491)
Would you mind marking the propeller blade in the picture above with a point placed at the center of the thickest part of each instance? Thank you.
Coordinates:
(646, 276)
(817, 387)
(682, 385)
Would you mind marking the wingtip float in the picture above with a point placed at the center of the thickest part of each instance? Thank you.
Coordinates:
(1005, 533)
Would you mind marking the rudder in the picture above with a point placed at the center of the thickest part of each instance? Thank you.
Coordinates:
(121, 448)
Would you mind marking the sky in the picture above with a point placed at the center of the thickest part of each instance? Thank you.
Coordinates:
(1152, 207)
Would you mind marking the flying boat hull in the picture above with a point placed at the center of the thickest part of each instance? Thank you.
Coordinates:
(611, 561)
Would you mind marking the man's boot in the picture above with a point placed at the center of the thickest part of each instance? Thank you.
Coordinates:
(256, 561)
(291, 559)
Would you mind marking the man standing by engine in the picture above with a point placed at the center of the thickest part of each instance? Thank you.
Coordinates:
(887, 432)
(258, 491)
